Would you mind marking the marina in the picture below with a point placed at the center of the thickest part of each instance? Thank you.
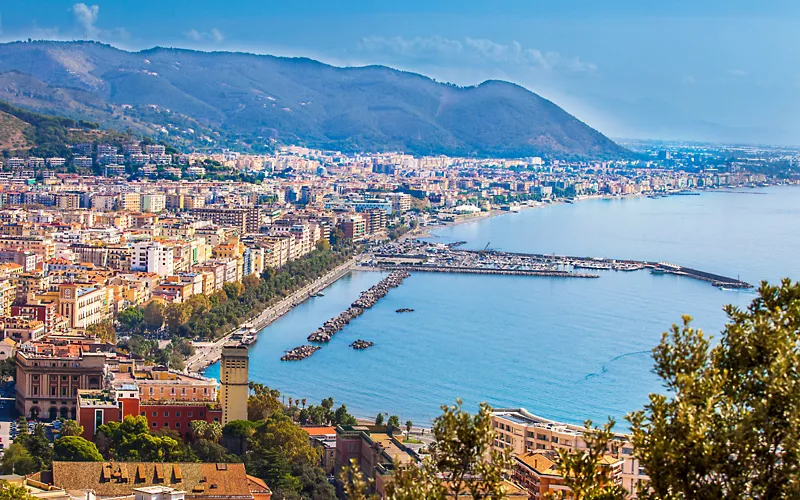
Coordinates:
(424, 256)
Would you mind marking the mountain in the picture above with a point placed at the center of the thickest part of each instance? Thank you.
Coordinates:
(248, 101)
(24, 132)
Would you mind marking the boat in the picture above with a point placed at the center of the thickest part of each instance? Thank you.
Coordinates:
(657, 271)
(318, 294)
(404, 310)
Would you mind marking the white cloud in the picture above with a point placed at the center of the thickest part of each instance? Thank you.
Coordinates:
(86, 16)
(474, 51)
(214, 35)
(193, 35)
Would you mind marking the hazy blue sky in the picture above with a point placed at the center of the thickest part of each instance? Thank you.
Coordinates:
(692, 69)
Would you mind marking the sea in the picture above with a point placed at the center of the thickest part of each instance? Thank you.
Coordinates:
(564, 349)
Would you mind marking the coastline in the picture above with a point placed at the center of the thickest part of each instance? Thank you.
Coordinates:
(208, 353)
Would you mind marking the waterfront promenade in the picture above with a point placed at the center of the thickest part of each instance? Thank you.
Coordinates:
(209, 352)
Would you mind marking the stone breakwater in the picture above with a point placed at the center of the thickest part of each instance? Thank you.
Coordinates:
(300, 352)
(367, 299)
(361, 344)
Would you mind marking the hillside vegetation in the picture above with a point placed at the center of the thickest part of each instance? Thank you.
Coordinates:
(254, 102)
(27, 133)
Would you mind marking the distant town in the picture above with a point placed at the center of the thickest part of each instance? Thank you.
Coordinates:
(126, 269)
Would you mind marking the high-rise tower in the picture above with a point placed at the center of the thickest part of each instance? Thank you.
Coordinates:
(233, 383)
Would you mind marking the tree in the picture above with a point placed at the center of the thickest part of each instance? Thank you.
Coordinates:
(409, 425)
(210, 431)
(131, 318)
(279, 432)
(730, 427)
(38, 446)
(210, 451)
(75, 449)
(262, 404)
(394, 421)
(176, 315)
(585, 472)
(323, 245)
(17, 460)
(342, 417)
(10, 491)
(379, 419)
(71, 428)
(104, 331)
(461, 462)
(153, 315)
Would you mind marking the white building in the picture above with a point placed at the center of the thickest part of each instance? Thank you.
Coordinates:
(153, 257)
(154, 203)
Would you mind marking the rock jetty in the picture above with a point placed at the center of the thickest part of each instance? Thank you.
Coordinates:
(361, 344)
(404, 310)
(300, 352)
(367, 299)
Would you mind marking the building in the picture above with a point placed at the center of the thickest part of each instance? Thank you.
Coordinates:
(131, 202)
(233, 383)
(375, 449)
(539, 474)
(159, 383)
(156, 480)
(98, 407)
(245, 219)
(354, 227)
(84, 304)
(153, 257)
(155, 203)
(49, 378)
(8, 293)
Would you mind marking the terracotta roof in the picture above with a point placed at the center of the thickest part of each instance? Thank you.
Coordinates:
(114, 479)
(258, 486)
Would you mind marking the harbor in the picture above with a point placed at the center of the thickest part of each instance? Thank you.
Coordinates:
(423, 256)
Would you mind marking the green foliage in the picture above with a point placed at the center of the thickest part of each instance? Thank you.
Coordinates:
(131, 441)
(585, 471)
(461, 462)
(71, 428)
(17, 460)
(379, 419)
(104, 331)
(38, 447)
(50, 135)
(394, 421)
(262, 403)
(75, 449)
(228, 308)
(279, 452)
(210, 431)
(153, 315)
(131, 318)
(10, 491)
(731, 423)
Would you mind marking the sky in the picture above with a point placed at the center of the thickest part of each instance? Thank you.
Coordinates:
(701, 70)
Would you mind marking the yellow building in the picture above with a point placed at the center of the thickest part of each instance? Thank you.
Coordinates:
(233, 383)
(131, 202)
(8, 293)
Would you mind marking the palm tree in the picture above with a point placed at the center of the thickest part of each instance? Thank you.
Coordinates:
(409, 425)
(291, 401)
(304, 402)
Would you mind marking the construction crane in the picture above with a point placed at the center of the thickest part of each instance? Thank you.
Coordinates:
(486, 247)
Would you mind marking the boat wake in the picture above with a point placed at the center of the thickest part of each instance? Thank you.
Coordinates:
(604, 368)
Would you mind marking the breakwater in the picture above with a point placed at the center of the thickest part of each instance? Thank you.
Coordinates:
(367, 299)
(300, 352)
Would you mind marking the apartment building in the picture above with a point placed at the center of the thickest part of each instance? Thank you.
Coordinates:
(354, 227)
(153, 257)
(245, 219)
(35, 244)
(155, 203)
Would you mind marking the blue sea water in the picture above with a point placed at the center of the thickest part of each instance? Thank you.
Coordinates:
(566, 349)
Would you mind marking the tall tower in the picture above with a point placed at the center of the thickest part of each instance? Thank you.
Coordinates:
(233, 383)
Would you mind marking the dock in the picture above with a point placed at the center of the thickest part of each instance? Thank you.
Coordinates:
(422, 256)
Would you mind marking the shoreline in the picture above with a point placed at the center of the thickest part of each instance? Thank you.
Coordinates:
(209, 353)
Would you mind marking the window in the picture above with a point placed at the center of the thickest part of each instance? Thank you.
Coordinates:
(189, 414)
(177, 414)
(155, 413)
(166, 414)
(154, 424)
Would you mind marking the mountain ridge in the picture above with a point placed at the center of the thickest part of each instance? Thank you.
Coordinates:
(252, 101)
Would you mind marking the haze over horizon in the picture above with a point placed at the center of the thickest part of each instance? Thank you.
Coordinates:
(718, 72)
